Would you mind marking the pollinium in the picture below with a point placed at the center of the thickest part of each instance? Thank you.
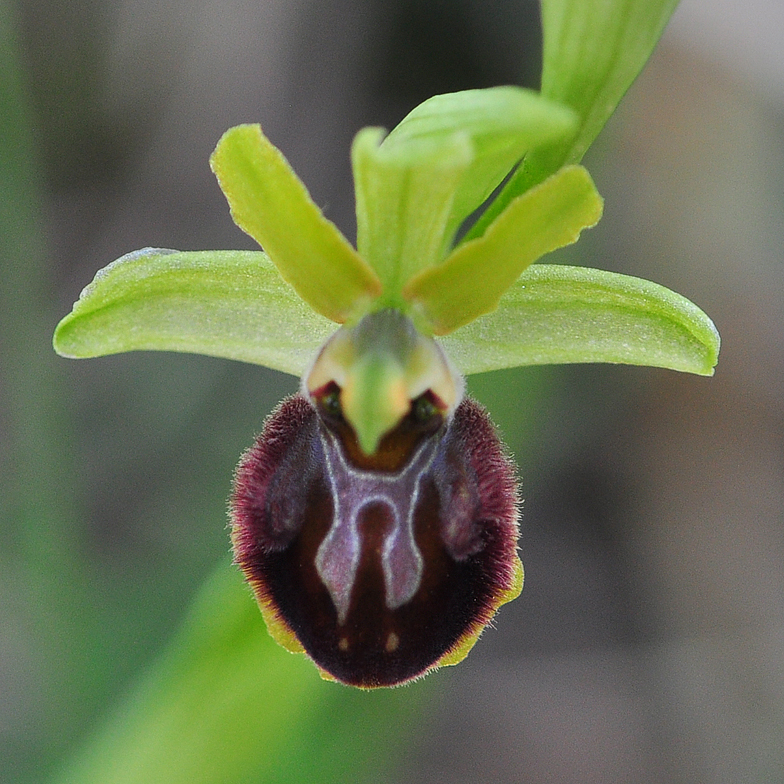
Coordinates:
(375, 517)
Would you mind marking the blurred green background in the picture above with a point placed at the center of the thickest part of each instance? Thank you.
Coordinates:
(648, 644)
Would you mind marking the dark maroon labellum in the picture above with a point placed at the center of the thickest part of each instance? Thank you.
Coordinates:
(380, 566)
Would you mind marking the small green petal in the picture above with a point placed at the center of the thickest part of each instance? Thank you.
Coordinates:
(557, 314)
(270, 203)
(230, 304)
(474, 277)
(404, 200)
(503, 124)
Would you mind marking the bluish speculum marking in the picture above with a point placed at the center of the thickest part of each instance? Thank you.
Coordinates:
(354, 490)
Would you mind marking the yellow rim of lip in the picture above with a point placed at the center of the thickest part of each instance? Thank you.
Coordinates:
(463, 647)
(278, 628)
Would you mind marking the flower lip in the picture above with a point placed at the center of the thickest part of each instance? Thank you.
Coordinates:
(378, 575)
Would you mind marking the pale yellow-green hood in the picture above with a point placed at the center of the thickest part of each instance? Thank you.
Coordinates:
(380, 366)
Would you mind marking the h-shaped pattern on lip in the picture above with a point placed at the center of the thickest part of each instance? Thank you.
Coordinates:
(352, 491)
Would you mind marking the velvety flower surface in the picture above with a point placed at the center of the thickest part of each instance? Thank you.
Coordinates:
(379, 573)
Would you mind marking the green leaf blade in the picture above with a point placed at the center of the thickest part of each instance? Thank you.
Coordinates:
(473, 278)
(592, 52)
(558, 314)
(230, 304)
(270, 203)
(224, 704)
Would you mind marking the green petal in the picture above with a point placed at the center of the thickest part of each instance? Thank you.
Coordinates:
(230, 304)
(592, 52)
(404, 200)
(557, 314)
(272, 205)
(474, 277)
(503, 123)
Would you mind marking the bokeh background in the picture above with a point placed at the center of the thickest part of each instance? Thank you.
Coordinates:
(648, 644)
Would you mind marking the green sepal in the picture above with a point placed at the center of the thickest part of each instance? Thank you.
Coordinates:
(471, 281)
(230, 304)
(269, 202)
(502, 124)
(558, 314)
(404, 198)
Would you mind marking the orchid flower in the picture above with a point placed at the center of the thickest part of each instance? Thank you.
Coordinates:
(375, 517)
